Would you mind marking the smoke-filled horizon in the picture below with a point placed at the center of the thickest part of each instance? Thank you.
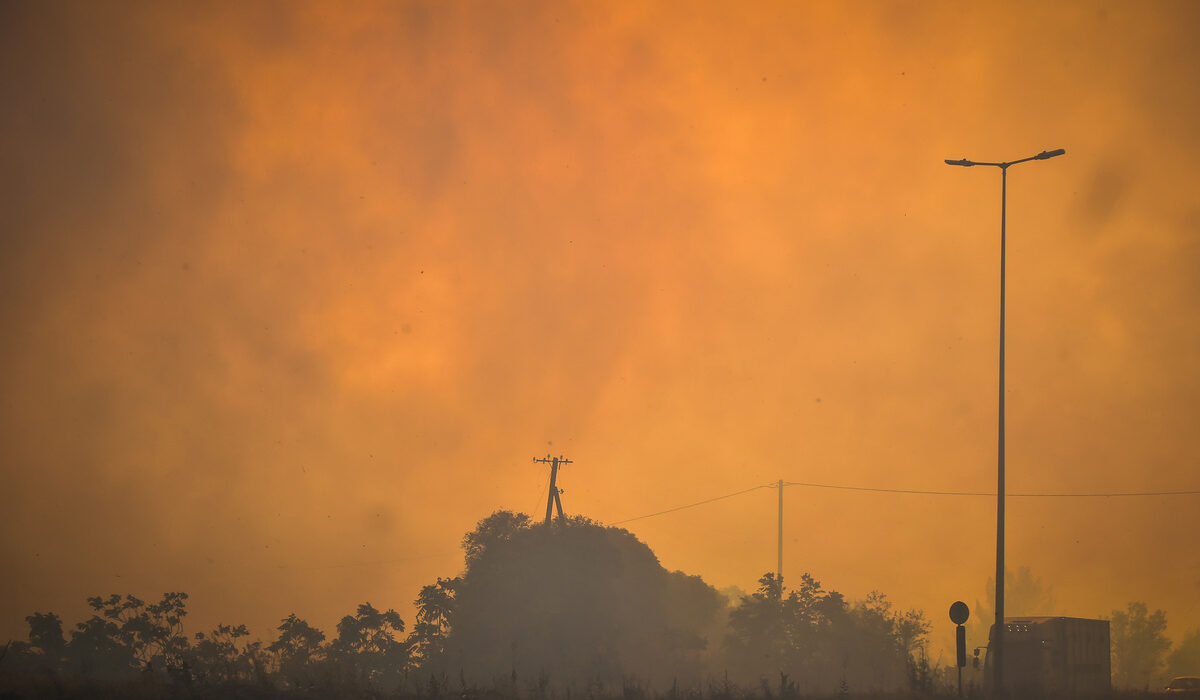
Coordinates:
(293, 292)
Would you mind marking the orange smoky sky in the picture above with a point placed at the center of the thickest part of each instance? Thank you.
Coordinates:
(292, 293)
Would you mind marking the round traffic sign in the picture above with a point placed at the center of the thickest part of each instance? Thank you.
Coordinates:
(959, 612)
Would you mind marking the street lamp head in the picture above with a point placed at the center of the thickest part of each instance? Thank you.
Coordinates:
(1050, 154)
(964, 162)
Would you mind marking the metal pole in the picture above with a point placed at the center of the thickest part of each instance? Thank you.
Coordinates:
(779, 560)
(996, 645)
(999, 641)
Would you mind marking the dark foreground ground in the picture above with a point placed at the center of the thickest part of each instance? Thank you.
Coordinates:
(56, 689)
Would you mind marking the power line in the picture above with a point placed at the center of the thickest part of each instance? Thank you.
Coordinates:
(914, 492)
(542, 484)
(693, 505)
(772, 485)
(1124, 494)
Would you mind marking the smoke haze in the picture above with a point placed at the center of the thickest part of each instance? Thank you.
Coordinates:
(292, 293)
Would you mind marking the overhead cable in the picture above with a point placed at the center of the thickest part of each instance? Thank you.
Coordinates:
(690, 505)
(914, 492)
(993, 493)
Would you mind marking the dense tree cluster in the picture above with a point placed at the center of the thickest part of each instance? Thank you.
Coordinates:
(582, 606)
(128, 639)
(573, 603)
(573, 606)
(815, 639)
(123, 635)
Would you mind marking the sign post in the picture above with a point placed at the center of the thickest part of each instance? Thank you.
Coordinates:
(959, 612)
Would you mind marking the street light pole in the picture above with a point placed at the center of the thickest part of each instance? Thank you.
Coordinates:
(996, 650)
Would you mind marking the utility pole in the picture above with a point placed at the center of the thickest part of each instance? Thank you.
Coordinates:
(552, 499)
(779, 561)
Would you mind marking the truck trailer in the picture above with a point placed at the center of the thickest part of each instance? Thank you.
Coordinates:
(1061, 655)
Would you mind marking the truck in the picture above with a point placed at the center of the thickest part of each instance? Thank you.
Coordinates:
(1058, 655)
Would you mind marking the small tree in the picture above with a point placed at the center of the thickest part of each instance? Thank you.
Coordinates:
(435, 610)
(159, 630)
(759, 639)
(298, 649)
(368, 648)
(224, 656)
(43, 653)
(46, 640)
(1138, 645)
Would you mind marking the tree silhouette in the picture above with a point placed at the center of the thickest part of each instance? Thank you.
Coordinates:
(46, 634)
(819, 641)
(298, 649)
(1138, 645)
(1024, 595)
(45, 652)
(435, 607)
(225, 656)
(368, 647)
(497, 528)
(126, 635)
(761, 629)
(46, 638)
(569, 602)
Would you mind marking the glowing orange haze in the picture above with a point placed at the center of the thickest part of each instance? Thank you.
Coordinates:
(292, 295)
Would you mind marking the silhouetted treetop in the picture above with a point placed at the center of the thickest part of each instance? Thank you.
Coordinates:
(492, 530)
(574, 599)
